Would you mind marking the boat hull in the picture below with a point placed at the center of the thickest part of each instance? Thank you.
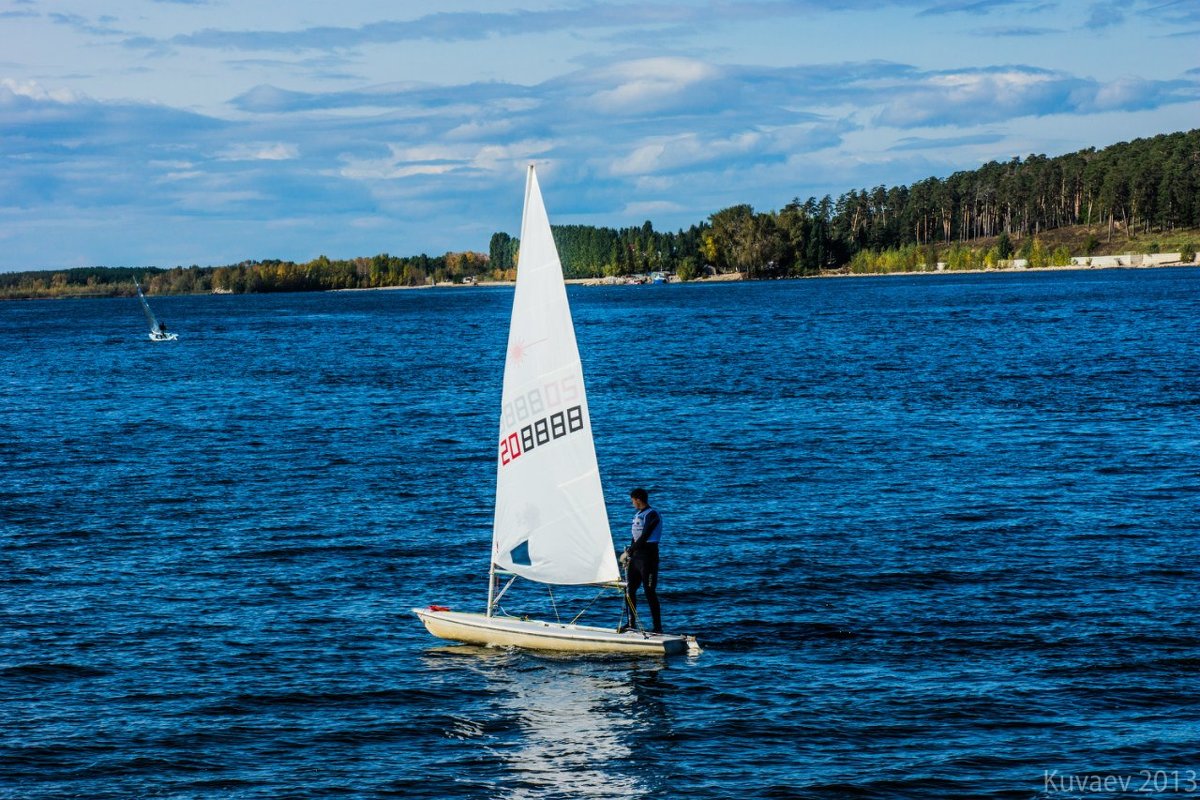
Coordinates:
(481, 629)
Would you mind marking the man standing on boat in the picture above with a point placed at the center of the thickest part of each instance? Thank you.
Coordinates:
(641, 557)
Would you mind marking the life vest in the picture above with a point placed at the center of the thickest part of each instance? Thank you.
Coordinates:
(644, 517)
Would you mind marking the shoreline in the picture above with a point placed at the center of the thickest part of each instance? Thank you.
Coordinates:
(738, 277)
(730, 277)
(1057, 268)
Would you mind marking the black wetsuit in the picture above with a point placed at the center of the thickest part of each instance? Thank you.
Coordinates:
(643, 565)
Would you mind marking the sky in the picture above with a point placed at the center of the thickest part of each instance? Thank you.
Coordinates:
(180, 132)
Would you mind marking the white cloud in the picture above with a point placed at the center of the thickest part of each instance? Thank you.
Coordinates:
(475, 130)
(210, 199)
(33, 90)
(1123, 93)
(169, 164)
(181, 175)
(441, 159)
(701, 148)
(1005, 87)
(649, 84)
(651, 208)
(260, 151)
(977, 96)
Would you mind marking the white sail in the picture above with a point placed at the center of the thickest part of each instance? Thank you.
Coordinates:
(153, 320)
(551, 524)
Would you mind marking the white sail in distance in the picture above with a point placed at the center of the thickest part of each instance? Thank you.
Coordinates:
(153, 320)
(551, 524)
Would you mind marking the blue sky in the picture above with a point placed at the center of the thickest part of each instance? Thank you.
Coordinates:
(164, 132)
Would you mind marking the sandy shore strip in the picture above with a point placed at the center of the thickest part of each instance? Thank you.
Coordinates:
(729, 277)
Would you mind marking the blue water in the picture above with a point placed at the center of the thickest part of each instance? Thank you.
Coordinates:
(938, 536)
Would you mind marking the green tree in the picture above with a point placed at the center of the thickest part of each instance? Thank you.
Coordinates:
(1038, 256)
(502, 251)
(726, 227)
(687, 269)
(1004, 247)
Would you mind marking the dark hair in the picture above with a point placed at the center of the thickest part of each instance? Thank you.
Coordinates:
(640, 494)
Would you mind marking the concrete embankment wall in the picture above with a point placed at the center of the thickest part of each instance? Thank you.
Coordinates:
(1128, 260)
(1124, 260)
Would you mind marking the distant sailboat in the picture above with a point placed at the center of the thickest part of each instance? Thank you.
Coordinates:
(551, 524)
(158, 331)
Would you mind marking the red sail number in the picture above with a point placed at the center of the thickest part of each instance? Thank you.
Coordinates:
(510, 448)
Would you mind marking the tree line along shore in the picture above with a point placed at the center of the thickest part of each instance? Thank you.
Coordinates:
(1135, 197)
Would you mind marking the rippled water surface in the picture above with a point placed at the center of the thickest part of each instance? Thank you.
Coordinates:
(938, 536)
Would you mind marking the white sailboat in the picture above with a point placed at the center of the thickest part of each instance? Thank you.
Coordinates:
(158, 331)
(551, 524)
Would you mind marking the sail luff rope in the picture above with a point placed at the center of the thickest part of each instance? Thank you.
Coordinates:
(553, 605)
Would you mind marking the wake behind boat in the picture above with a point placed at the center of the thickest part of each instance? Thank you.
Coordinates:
(551, 524)
(158, 331)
